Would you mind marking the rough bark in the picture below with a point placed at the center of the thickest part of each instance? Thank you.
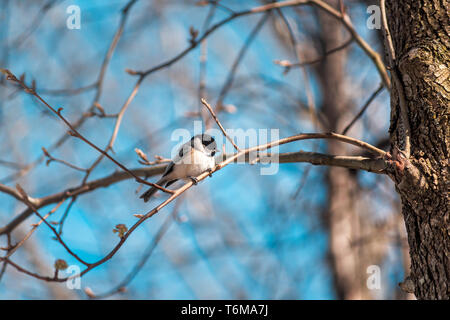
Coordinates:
(420, 32)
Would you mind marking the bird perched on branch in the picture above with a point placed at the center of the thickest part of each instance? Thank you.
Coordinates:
(193, 158)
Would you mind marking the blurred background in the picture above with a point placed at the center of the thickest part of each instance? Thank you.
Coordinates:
(307, 232)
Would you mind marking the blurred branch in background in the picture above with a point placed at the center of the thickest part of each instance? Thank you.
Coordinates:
(247, 238)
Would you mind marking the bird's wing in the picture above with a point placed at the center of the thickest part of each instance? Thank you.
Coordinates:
(169, 169)
(184, 148)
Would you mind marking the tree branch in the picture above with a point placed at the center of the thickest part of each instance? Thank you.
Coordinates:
(213, 114)
(364, 108)
(397, 81)
(362, 163)
(10, 76)
(345, 19)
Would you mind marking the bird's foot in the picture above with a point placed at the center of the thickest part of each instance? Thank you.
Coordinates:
(194, 180)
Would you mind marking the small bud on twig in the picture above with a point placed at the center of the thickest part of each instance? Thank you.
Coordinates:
(45, 152)
(283, 63)
(61, 264)
(131, 72)
(120, 229)
(8, 74)
(99, 108)
(141, 155)
(194, 33)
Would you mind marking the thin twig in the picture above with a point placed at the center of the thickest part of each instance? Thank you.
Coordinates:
(64, 92)
(213, 114)
(322, 5)
(203, 61)
(387, 34)
(65, 214)
(33, 228)
(147, 254)
(151, 171)
(37, 20)
(221, 6)
(115, 131)
(309, 94)
(372, 165)
(58, 237)
(312, 158)
(73, 192)
(68, 164)
(230, 77)
(397, 81)
(11, 165)
(288, 65)
(372, 54)
(364, 108)
(345, 19)
(99, 89)
(76, 134)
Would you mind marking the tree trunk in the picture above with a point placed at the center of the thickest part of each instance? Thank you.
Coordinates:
(420, 32)
(348, 258)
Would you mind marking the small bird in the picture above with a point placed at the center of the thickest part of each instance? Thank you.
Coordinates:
(194, 157)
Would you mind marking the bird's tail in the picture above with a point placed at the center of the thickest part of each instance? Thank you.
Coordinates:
(152, 190)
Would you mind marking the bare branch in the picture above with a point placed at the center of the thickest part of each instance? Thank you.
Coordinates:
(230, 77)
(363, 109)
(213, 114)
(349, 162)
(119, 176)
(76, 134)
(68, 164)
(147, 254)
(73, 192)
(371, 165)
(58, 237)
(398, 83)
(288, 66)
(11, 191)
(98, 86)
(345, 19)
(13, 248)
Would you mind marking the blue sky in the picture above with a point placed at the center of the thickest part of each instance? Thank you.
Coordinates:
(281, 245)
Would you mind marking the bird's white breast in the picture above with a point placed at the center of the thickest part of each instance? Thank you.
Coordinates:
(193, 164)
